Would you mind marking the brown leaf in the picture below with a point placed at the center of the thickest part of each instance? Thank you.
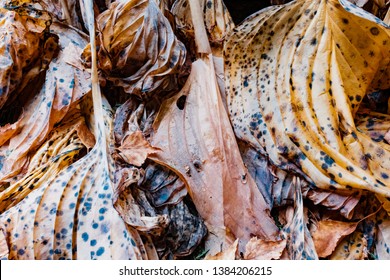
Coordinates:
(21, 47)
(258, 249)
(195, 137)
(329, 233)
(137, 47)
(228, 254)
(135, 149)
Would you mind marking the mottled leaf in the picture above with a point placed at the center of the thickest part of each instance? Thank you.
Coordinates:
(22, 47)
(63, 86)
(295, 77)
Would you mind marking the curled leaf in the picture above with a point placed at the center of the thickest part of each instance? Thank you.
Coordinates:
(216, 17)
(137, 47)
(210, 153)
(63, 86)
(135, 149)
(22, 47)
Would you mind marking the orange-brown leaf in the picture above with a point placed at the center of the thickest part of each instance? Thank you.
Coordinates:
(135, 149)
(258, 249)
(329, 233)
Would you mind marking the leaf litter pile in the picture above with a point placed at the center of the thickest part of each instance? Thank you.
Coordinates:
(146, 129)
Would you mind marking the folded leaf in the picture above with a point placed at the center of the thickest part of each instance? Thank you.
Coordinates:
(216, 17)
(195, 137)
(296, 75)
(64, 85)
(22, 47)
(137, 47)
(299, 244)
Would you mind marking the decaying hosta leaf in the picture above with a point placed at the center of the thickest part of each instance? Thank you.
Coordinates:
(383, 236)
(64, 84)
(328, 233)
(228, 254)
(162, 185)
(353, 247)
(193, 132)
(296, 75)
(22, 47)
(65, 11)
(137, 47)
(333, 200)
(216, 17)
(299, 243)
(257, 249)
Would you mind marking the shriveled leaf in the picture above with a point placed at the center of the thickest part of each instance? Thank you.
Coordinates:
(216, 18)
(137, 47)
(352, 247)
(22, 47)
(228, 254)
(65, 11)
(344, 202)
(329, 233)
(64, 85)
(300, 244)
(162, 185)
(296, 75)
(132, 213)
(257, 249)
(382, 243)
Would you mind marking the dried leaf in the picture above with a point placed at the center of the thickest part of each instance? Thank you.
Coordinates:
(64, 85)
(162, 185)
(329, 233)
(295, 76)
(228, 254)
(352, 247)
(65, 11)
(345, 202)
(22, 46)
(135, 149)
(257, 249)
(300, 245)
(210, 154)
(383, 236)
(216, 18)
(137, 47)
